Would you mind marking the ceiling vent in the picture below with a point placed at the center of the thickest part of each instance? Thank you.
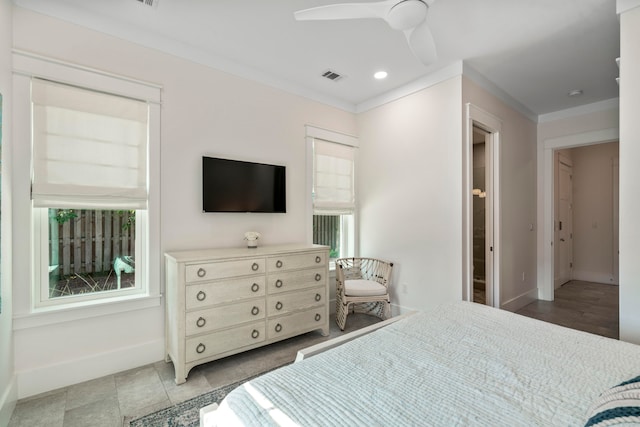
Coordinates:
(331, 75)
(151, 3)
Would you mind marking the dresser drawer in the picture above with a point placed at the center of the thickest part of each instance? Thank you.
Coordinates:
(294, 324)
(230, 290)
(294, 280)
(294, 262)
(219, 342)
(285, 303)
(222, 269)
(222, 317)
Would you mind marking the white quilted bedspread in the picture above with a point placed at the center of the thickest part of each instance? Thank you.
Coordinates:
(459, 365)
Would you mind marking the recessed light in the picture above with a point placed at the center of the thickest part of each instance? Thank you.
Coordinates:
(379, 75)
(574, 93)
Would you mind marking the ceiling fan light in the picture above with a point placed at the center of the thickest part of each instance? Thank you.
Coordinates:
(407, 14)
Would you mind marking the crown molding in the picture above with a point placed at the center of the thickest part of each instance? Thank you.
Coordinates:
(625, 5)
(452, 70)
(594, 107)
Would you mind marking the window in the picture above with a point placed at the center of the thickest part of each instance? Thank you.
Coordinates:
(334, 197)
(89, 193)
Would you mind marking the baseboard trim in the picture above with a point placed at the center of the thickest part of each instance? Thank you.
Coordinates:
(8, 402)
(52, 377)
(515, 304)
(585, 276)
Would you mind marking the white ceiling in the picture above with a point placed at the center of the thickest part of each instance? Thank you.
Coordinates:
(534, 50)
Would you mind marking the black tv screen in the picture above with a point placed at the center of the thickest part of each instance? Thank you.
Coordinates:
(237, 186)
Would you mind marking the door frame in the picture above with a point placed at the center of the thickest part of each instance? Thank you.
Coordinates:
(546, 202)
(491, 124)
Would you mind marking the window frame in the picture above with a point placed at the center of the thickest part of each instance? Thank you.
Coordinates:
(27, 313)
(41, 263)
(313, 133)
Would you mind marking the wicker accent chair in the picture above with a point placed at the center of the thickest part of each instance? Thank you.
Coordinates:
(362, 286)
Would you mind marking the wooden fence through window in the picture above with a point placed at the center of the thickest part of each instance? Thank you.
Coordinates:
(90, 242)
(326, 231)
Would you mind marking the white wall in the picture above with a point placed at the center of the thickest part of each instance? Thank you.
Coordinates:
(629, 174)
(204, 111)
(593, 222)
(409, 192)
(517, 168)
(8, 390)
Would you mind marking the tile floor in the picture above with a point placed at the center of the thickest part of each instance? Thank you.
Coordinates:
(116, 399)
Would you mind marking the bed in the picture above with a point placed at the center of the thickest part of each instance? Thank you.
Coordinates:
(460, 364)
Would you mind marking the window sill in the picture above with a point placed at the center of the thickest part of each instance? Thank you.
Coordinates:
(67, 313)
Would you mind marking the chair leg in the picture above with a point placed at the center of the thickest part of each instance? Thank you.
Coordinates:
(386, 314)
(341, 314)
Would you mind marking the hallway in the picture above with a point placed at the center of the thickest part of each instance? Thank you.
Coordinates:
(585, 306)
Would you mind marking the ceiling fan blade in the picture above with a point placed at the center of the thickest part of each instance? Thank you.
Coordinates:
(422, 44)
(346, 11)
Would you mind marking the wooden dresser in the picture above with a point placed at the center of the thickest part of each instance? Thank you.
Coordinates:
(221, 302)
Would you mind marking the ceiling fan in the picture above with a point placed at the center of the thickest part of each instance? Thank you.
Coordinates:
(408, 16)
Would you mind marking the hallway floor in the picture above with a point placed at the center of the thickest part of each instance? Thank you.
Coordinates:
(586, 306)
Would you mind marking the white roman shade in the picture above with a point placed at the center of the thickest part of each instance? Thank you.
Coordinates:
(89, 148)
(333, 166)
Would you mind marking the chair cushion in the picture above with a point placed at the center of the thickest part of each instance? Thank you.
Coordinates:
(363, 288)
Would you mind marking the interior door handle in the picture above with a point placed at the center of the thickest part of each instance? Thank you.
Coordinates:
(562, 240)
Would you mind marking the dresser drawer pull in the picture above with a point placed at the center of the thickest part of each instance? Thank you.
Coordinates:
(202, 272)
(278, 306)
(255, 287)
(318, 259)
(201, 322)
(201, 296)
(278, 283)
(318, 317)
(255, 310)
(200, 348)
(255, 334)
(318, 277)
(278, 264)
(278, 327)
(318, 297)
(255, 266)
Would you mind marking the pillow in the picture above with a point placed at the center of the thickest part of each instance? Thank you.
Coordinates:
(618, 405)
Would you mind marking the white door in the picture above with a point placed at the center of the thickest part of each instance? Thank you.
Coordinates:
(564, 223)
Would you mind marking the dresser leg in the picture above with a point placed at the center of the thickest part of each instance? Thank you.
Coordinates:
(325, 331)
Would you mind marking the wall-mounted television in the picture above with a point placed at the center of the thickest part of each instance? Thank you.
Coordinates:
(239, 186)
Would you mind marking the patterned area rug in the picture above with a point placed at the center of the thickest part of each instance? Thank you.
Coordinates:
(184, 414)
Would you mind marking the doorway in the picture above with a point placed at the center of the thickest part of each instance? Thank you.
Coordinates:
(480, 267)
(547, 218)
(586, 212)
(481, 293)
(563, 227)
